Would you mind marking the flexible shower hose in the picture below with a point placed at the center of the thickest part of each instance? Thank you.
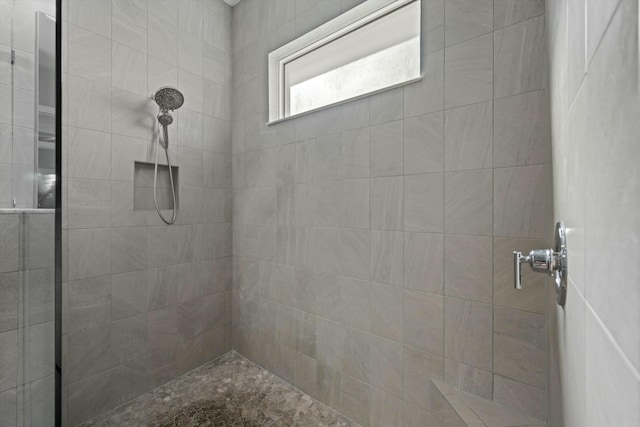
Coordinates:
(155, 179)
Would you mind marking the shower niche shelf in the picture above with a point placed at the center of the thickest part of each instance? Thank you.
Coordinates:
(143, 187)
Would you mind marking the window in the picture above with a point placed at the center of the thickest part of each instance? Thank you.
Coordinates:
(373, 47)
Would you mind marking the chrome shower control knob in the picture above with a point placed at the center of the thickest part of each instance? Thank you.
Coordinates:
(550, 261)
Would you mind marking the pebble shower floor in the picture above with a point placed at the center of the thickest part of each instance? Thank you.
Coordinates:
(230, 391)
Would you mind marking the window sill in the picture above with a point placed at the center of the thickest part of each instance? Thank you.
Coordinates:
(345, 101)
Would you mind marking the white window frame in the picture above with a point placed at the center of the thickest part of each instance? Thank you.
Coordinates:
(349, 21)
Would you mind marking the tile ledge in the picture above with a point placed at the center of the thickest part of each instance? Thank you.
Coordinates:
(467, 407)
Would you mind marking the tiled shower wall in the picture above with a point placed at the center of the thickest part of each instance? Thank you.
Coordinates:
(594, 344)
(27, 385)
(143, 302)
(372, 240)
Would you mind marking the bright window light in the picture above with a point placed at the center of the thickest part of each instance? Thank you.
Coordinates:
(378, 51)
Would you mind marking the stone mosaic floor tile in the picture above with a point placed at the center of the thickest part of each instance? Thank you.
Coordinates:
(230, 391)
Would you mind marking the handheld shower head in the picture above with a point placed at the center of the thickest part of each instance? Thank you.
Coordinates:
(165, 118)
(168, 98)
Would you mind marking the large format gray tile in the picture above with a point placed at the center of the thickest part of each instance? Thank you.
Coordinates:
(356, 114)
(129, 24)
(432, 26)
(519, 59)
(423, 203)
(190, 129)
(528, 399)
(190, 50)
(41, 238)
(467, 332)
(467, 19)
(577, 36)
(89, 398)
(163, 40)
(87, 151)
(598, 17)
(89, 55)
(9, 250)
(386, 106)
(518, 346)
(41, 294)
(386, 311)
(508, 12)
(343, 251)
(356, 355)
(387, 203)
(520, 201)
(132, 114)
(89, 303)
(41, 351)
(305, 373)
(330, 337)
(424, 262)
(89, 353)
(612, 386)
(521, 130)
(468, 267)
(326, 295)
(190, 17)
(90, 14)
(386, 366)
(387, 149)
(342, 204)
(8, 407)
(424, 321)
(468, 72)
(328, 383)
(385, 409)
(128, 294)
(89, 104)
(9, 358)
(420, 367)
(128, 249)
(91, 250)
(468, 137)
(468, 378)
(355, 301)
(468, 202)
(89, 203)
(612, 196)
(356, 397)
(387, 257)
(10, 285)
(424, 144)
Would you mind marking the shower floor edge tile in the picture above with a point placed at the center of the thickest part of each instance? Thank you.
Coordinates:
(229, 391)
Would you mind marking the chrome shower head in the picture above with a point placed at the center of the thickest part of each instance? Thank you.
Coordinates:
(168, 98)
(165, 118)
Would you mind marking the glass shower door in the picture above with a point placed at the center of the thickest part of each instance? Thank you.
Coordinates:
(28, 136)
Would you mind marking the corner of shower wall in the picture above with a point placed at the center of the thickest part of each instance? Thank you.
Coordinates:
(593, 347)
(143, 302)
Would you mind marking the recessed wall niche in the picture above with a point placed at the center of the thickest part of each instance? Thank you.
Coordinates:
(143, 187)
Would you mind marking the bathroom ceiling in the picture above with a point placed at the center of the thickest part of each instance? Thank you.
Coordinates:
(232, 2)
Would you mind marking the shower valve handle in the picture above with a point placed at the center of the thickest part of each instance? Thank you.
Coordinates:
(550, 261)
(540, 260)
